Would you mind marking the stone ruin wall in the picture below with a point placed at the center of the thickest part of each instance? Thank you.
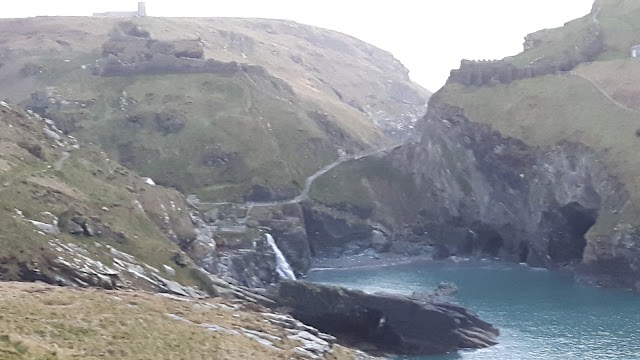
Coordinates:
(132, 51)
(479, 73)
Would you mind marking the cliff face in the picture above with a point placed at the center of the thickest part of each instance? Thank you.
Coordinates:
(466, 190)
(499, 196)
(531, 159)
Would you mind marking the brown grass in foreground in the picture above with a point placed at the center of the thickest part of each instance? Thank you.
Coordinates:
(39, 321)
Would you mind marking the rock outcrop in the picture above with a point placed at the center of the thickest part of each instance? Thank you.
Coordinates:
(231, 241)
(465, 189)
(393, 323)
(501, 197)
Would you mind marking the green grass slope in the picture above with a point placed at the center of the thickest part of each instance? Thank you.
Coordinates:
(224, 134)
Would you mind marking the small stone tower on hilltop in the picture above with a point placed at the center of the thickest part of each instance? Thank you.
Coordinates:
(142, 9)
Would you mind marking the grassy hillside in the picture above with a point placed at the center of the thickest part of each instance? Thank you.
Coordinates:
(43, 322)
(619, 21)
(368, 186)
(51, 182)
(217, 135)
(615, 20)
(617, 78)
(557, 45)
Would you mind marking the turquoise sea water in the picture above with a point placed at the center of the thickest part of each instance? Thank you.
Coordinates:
(541, 314)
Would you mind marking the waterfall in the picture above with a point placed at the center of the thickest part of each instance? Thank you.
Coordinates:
(282, 266)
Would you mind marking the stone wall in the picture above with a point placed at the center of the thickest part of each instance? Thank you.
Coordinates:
(584, 48)
(165, 64)
(131, 50)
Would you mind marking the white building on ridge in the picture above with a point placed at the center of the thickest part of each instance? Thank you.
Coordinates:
(142, 12)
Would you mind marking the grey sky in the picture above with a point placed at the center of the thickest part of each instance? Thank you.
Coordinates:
(429, 37)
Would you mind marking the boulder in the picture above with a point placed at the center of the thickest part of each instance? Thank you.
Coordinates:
(45, 228)
(51, 134)
(379, 242)
(393, 323)
(180, 259)
(442, 292)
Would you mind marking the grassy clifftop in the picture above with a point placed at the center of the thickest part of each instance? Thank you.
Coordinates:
(223, 136)
(595, 104)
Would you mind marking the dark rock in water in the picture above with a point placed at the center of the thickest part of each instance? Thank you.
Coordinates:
(394, 323)
(442, 292)
(445, 289)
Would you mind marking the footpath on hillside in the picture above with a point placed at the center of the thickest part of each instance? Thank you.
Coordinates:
(304, 195)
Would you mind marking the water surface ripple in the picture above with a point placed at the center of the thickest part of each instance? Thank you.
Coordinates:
(541, 314)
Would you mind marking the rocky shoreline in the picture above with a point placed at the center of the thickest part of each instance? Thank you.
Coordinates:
(388, 323)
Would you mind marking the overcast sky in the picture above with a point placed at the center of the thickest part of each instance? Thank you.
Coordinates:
(429, 37)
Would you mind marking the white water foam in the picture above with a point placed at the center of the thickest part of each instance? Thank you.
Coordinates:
(282, 266)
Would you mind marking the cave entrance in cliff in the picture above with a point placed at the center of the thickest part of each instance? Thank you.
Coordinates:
(490, 241)
(567, 241)
(523, 252)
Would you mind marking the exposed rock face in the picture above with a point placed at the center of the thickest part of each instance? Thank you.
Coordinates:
(231, 242)
(466, 190)
(287, 225)
(332, 231)
(481, 193)
(246, 267)
(395, 324)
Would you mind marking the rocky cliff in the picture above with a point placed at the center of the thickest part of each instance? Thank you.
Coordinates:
(499, 196)
(530, 169)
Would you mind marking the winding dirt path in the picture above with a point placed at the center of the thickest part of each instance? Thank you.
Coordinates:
(605, 94)
(304, 195)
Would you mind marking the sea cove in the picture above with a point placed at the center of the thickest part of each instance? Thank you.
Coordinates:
(541, 314)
